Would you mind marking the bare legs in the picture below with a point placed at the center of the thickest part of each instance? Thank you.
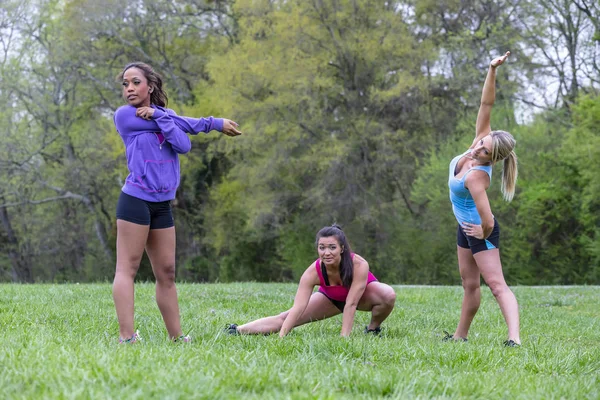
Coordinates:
(378, 298)
(161, 251)
(487, 263)
(469, 274)
(319, 307)
(131, 239)
(160, 247)
(491, 270)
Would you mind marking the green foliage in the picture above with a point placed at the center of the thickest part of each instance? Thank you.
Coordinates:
(553, 231)
(311, 84)
(581, 151)
(351, 111)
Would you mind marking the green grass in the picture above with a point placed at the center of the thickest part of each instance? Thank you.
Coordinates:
(60, 341)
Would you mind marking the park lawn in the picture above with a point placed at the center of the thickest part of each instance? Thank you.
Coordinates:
(60, 342)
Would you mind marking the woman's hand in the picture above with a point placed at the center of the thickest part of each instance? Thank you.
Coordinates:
(145, 112)
(230, 128)
(496, 62)
(473, 230)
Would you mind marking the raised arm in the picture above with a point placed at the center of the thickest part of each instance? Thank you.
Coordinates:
(307, 283)
(488, 97)
(359, 283)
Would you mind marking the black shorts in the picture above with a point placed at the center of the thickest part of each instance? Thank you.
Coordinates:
(156, 214)
(477, 245)
(339, 304)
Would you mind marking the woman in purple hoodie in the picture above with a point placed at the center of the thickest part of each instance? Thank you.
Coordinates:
(154, 136)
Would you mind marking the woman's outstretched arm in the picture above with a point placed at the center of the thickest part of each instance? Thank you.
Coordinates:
(488, 97)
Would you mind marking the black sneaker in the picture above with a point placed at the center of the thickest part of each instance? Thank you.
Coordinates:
(232, 329)
(375, 331)
(511, 343)
(448, 337)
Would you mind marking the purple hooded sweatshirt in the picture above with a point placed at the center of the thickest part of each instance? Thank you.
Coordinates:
(152, 148)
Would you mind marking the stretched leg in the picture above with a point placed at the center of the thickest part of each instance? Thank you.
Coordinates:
(161, 252)
(470, 276)
(491, 270)
(380, 299)
(131, 239)
(319, 307)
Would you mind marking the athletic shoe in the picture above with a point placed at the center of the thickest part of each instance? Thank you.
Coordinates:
(375, 331)
(182, 339)
(511, 343)
(448, 337)
(133, 339)
(232, 329)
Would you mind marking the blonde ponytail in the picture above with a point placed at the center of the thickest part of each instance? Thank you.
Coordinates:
(503, 144)
(509, 176)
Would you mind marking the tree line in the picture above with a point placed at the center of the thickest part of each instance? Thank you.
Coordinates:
(351, 109)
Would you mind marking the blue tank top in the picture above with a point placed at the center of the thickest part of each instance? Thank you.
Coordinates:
(463, 204)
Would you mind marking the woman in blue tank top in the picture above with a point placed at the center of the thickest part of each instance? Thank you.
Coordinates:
(478, 234)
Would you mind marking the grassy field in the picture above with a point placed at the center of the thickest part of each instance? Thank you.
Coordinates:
(60, 341)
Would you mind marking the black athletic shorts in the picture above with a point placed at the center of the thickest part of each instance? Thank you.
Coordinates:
(477, 245)
(339, 304)
(156, 214)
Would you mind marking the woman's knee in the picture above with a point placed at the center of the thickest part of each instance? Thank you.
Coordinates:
(165, 274)
(470, 285)
(498, 287)
(127, 269)
(389, 297)
(383, 296)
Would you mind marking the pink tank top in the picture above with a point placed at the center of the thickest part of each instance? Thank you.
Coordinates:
(338, 292)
